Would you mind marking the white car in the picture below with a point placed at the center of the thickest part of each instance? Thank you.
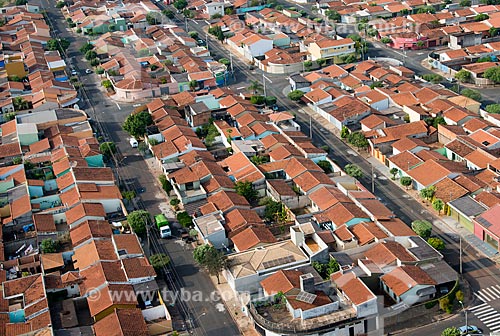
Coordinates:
(133, 142)
(88, 71)
(74, 73)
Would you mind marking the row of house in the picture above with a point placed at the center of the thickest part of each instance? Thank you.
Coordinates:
(323, 214)
(397, 116)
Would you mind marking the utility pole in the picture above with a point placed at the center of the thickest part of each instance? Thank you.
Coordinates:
(373, 180)
(310, 127)
(206, 37)
(264, 82)
(460, 251)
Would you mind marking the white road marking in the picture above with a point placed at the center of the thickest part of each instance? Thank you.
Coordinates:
(493, 292)
(480, 297)
(482, 305)
(483, 312)
(194, 21)
(118, 106)
(240, 88)
(208, 23)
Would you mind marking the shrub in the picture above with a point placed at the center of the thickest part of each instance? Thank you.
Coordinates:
(406, 181)
(295, 95)
(159, 260)
(437, 243)
(174, 202)
(184, 219)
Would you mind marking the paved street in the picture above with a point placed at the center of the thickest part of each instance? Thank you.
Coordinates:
(204, 318)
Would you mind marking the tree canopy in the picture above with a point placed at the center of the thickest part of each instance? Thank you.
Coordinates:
(463, 76)
(136, 124)
(184, 219)
(107, 148)
(211, 259)
(159, 260)
(437, 243)
(493, 108)
(353, 170)
(357, 139)
(138, 220)
(422, 227)
(180, 4)
(493, 74)
(245, 189)
(472, 94)
(295, 95)
(452, 331)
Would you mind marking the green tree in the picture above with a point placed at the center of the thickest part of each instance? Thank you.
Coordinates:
(406, 181)
(459, 295)
(344, 133)
(216, 16)
(152, 19)
(165, 184)
(95, 62)
(438, 205)
(307, 65)
(428, 193)
(333, 15)
(295, 95)
(225, 61)
(433, 78)
(259, 159)
(452, 331)
(358, 140)
(107, 84)
(86, 47)
(272, 208)
(174, 202)
(193, 85)
(136, 124)
(320, 62)
(60, 4)
(228, 11)
(422, 227)
(279, 7)
(138, 220)
(493, 74)
(20, 103)
(112, 27)
(211, 259)
(393, 172)
(481, 17)
(472, 94)
(493, 31)
(271, 100)
(129, 195)
(159, 261)
(99, 71)
(426, 9)
(184, 219)
(437, 243)
(255, 87)
(168, 13)
(376, 84)
(463, 76)
(493, 108)
(49, 246)
(386, 40)
(91, 54)
(193, 35)
(245, 189)
(180, 4)
(353, 171)
(188, 13)
(257, 100)
(107, 148)
(465, 3)
(326, 166)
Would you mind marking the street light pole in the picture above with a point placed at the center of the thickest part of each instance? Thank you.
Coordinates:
(460, 252)
(465, 313)
(373, 180)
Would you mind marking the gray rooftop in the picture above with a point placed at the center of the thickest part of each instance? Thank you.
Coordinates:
(468, 206)
(299, 79)
(440, 272)
(198, 108)
(422, 250)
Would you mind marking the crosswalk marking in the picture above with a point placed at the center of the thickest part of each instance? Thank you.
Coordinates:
(489, 316)
(488, 294)
(493, 292)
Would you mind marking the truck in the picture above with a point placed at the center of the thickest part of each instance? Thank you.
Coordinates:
(163, 226)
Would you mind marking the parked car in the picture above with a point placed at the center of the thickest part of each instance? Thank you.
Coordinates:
(133, 142)
(74, 73)
(88, 71)
(470, 330)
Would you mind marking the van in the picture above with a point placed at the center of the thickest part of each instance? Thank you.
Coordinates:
(133, 142)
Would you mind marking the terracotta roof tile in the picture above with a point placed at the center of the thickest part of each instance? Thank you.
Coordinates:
(252, 237)
(403, 278)
(122, 322)
(387, 252)
(128, 242)
(281, 281)
(85, 209)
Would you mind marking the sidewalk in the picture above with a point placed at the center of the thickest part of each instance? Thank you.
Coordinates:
(234, 307)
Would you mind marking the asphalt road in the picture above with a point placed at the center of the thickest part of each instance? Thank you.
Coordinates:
(203, 318)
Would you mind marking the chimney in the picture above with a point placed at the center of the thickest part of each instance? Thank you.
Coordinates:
(307, 283)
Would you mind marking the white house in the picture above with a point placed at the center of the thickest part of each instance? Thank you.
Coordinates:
(211, 229)
(213, 8)
(408, 284)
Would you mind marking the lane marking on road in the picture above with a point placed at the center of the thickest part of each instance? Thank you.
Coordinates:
(240, 88)
(118, 106)
(208, 23)
(194, 21)
(487, 294)
(494, 325)
(484, 312)
(488, 316)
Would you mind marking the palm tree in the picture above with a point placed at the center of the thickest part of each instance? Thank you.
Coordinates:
(255, 87)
